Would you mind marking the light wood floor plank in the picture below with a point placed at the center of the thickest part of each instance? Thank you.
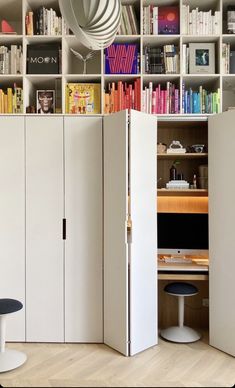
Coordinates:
(92, 365)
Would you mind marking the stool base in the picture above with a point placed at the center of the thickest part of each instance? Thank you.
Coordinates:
(180, 334)
(11, 359)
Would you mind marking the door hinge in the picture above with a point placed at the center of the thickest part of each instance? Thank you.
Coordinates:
(64, 229)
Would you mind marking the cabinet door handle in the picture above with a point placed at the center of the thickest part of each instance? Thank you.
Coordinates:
(64, 229)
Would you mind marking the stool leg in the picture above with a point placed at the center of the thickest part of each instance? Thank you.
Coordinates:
(181, 311)
(2, 333)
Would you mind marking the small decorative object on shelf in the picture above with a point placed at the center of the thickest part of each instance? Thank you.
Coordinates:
(161, 148)
(198, 148)
(122, 59)
(82, 98)
(7, 28)
(45, 101)
(176, 148)
(84, 58)
(201, 58)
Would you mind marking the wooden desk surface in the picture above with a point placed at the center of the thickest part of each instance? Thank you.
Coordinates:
(197, 270)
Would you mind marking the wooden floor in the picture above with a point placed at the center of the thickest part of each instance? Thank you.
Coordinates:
(166, 365)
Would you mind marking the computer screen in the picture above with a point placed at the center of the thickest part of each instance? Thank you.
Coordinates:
(183, 233)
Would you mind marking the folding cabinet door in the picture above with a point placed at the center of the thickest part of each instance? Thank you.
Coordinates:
(116, 322)
(143, 248)
(44, 242)
(222, 234)
(84, 239)
(12, 220)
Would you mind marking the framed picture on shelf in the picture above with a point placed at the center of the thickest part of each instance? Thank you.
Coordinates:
(45, 101)
(201, 58)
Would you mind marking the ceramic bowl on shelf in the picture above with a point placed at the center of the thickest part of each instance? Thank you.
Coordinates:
(198, 148)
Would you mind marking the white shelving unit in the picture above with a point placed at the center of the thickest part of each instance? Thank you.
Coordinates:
(14, 12)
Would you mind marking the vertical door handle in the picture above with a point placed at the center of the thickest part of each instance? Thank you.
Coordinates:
(64, 229)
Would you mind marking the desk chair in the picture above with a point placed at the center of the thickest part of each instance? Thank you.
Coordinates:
(180, 333)
(9, 359)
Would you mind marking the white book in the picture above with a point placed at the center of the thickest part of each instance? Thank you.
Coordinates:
(155, 20)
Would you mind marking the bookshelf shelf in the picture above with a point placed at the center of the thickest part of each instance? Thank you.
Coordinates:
(183, 156)
(14, 11)
(187, 193)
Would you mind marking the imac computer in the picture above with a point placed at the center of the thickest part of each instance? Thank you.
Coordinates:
(183, 234)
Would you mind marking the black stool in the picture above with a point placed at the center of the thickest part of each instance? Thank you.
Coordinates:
(180, 333)
(9, 359)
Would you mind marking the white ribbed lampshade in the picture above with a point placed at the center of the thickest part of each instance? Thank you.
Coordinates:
(94, 22)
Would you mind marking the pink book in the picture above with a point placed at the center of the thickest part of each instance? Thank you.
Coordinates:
(162, 102)
(176, 101)
(157, 101)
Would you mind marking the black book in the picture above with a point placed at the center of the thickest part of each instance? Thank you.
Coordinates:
(43, 59)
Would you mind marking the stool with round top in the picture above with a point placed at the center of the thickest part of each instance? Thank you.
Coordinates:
(180, 333)
(9, 358)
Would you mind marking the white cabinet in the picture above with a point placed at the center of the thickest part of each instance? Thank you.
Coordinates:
(130, 281)
(221, 227)
(64, 288)
(44, 243)
(84, 243)
(12, 220)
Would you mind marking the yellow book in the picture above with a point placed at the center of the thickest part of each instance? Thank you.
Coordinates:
(10, 100)
(83, 98)
(6, 103)
(1, 101)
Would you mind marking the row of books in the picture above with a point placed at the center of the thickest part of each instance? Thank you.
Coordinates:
(11, 59)
(44, 22)
(161, 99)
(201, 101)
(11, 100)
(161, 20)
(161, 60)
(200, 23)
(122, 95)
(129, 24)
(228, 59)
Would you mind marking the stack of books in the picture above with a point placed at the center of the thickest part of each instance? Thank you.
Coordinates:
(11, 60)
(200, 23)
(201, 101)
(11, 100)
(161, 100)
(161, 60)
(177, 185)
(82, 98)
(122, 95)
(44, 22)
(161, 20)
(129, 24)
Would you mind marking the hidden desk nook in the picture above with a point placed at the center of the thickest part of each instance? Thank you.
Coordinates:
(196, 273)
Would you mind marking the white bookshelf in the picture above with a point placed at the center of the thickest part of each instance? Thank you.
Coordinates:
(14, 11)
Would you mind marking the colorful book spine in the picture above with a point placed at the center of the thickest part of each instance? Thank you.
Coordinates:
(161, 99)
(122, 95)
(11, 100)
(201, 101)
